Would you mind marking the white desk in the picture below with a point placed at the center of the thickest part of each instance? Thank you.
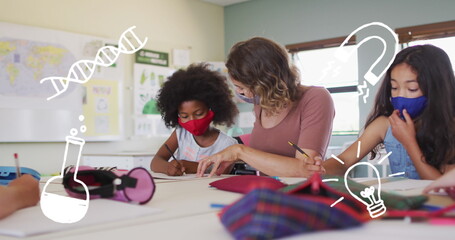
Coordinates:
(187, 215)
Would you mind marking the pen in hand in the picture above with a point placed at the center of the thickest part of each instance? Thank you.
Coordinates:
(172, 154)
(298, 149)
(18, 168)
(302, 152)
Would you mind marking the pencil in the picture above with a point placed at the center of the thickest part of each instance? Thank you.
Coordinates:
(169, 150)
(172, 154)
(18, 168)
(298, 149)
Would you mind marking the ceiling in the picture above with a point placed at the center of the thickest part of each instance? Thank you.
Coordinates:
(224, 3)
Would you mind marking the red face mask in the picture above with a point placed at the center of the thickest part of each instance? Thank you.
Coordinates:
(198, 127)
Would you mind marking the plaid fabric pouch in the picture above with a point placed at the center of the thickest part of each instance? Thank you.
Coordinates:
(266, 213)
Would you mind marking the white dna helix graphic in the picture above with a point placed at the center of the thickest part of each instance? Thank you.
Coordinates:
(82, 70)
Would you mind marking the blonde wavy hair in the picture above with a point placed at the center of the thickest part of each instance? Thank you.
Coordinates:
(264, 67)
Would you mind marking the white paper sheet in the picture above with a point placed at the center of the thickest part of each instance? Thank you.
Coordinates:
(164, 176)
(187, 176)
(31, 221)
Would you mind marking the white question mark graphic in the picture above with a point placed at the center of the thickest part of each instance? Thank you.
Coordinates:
(369, 76)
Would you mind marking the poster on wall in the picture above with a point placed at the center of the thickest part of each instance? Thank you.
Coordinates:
(30, 54)
(148, 79)
(151, 125)
(101, 108)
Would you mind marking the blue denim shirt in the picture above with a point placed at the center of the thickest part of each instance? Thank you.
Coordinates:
(399, 160)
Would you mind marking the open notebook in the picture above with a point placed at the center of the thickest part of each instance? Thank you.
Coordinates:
(188, 176)
(31, 221)
(158, 175)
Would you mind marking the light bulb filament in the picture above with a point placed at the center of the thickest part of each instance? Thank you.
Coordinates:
(368, 193)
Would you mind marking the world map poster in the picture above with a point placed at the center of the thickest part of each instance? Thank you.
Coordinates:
(30, 54)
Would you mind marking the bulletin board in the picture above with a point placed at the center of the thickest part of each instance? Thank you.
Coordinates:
(30, 54)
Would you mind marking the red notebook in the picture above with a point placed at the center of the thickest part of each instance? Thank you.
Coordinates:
(246, 183)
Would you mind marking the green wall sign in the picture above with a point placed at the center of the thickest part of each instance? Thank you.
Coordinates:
(152, 57)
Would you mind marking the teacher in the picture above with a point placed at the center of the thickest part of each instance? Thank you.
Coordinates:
(285, 110)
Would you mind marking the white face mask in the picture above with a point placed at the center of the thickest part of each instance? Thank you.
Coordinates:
(254, 100)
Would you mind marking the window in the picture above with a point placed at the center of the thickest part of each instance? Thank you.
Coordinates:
(319, 67)
(439, 34)
(447, 44)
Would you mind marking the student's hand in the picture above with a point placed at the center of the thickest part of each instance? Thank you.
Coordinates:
(402, 130)
(174, 168)
(446, 183)
(27, 189)
(313, 165)
(220, 160)
(20, 193)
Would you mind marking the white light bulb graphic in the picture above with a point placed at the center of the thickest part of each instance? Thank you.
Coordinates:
(375, 205)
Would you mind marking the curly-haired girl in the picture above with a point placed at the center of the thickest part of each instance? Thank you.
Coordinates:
(189, 101)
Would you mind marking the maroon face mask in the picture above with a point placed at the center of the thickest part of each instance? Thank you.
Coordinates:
(198, 127)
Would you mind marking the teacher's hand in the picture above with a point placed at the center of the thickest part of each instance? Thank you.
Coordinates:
(220, 161)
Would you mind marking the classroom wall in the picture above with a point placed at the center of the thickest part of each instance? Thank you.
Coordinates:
(168, 24)
(295, 21)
